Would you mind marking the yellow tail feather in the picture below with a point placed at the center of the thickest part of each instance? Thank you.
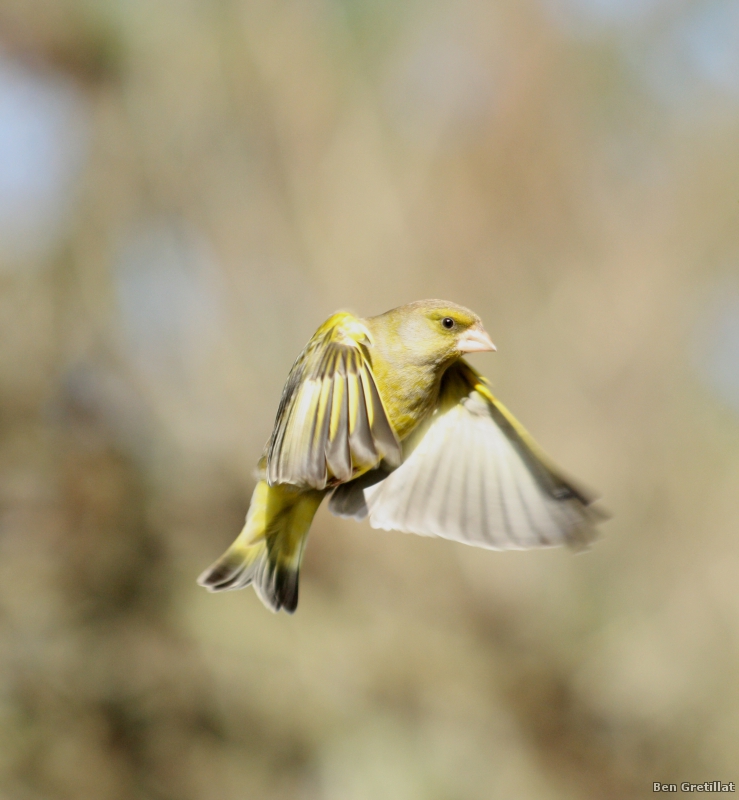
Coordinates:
(268, 551)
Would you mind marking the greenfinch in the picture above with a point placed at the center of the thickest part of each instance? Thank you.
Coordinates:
(384, 415)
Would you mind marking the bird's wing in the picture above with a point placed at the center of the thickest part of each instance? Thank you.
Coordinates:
(331, 422)
(471, 473)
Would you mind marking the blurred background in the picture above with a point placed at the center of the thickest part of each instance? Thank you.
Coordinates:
(187, 189)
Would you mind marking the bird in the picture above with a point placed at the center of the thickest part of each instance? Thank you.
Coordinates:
(386, 417)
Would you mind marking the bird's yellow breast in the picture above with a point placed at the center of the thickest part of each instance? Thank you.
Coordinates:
(409, 392)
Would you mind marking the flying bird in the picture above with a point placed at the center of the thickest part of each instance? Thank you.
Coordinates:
(385, 416)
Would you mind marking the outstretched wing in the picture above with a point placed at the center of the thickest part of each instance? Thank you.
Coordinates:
(331, 423)
(471, 473)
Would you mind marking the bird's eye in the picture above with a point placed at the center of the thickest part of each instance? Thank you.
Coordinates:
(448, 323)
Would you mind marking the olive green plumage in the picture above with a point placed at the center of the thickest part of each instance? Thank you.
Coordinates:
(385, 415)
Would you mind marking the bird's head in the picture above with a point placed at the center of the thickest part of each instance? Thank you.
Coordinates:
(437, 331)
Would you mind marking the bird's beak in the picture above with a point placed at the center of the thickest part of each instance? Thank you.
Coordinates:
(475, 340)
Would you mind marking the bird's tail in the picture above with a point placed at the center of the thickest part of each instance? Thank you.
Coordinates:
(269, 549)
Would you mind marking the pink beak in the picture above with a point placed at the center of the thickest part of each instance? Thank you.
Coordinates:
(475, 340)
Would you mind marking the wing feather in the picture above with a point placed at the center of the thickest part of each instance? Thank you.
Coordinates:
(331, 423)
(473, 474)
(338, 457)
